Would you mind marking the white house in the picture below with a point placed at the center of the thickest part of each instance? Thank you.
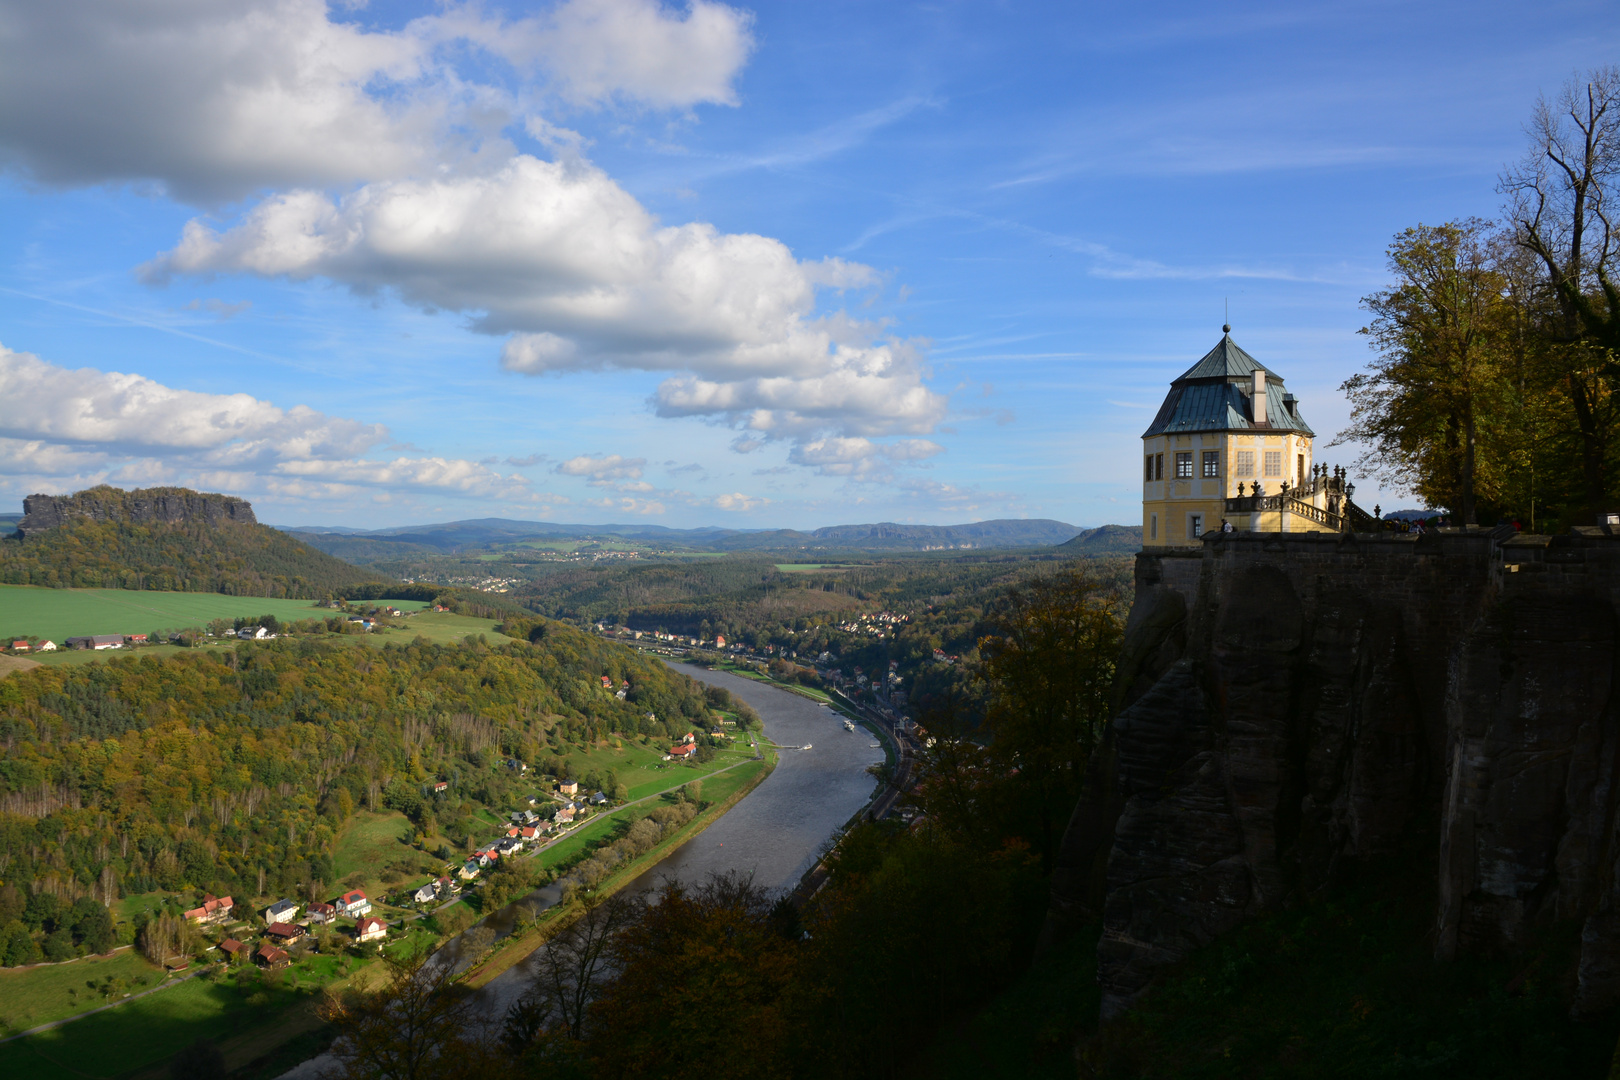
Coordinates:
(426, 894)
(353, 904)
(369, 929)
(45, 646)
(282, 911)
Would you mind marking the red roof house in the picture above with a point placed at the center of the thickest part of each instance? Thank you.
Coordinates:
(271, 957)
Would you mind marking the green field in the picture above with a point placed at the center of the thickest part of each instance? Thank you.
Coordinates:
(369, 842)
(63, 613)
(148, 1031)
(716, 790)
(38, 995)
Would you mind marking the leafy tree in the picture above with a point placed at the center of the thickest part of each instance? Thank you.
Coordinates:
(421, 1025)
(1050, 662)
(1440, 333)
(1561, 197)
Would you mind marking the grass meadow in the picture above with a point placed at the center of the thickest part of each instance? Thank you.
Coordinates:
(240, 1010)
(62, 613)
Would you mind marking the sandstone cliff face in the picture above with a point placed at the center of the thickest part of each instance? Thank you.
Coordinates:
(167, 505)
(1293, 706)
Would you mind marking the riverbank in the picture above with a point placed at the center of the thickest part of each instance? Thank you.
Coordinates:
(523, 944)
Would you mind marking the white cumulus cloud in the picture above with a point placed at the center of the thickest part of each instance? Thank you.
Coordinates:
(217, 99)
(63, 427)
(604, 470)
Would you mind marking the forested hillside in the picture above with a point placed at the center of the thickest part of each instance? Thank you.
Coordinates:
(233, 771)
(100, 539)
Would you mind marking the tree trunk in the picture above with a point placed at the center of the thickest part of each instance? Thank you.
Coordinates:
(1592, 440)
(1467, 477)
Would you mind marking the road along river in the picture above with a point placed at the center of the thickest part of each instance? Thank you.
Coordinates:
(775, 833)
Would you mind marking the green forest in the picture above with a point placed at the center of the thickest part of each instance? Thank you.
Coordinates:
(233, 771)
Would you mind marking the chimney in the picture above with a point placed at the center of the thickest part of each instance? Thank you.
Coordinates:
(1259, 398)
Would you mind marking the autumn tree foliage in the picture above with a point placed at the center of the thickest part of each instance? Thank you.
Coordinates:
(1495, 389)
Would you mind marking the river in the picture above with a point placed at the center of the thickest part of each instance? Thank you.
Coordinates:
(775, 833)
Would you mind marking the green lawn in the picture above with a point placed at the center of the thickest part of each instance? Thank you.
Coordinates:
(62, 613)
(38, 995)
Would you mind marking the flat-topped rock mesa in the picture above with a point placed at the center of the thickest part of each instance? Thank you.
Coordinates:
(1295, 709)
(168, 505)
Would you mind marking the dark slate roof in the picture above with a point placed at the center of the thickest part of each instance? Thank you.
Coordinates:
(1213, 395)
(1225, 361)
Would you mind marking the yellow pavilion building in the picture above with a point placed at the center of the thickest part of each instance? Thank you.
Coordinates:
(1229, 445)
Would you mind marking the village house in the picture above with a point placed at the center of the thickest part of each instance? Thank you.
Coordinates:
(370, 929)
(232, 948)
(607, 682)
(565, 816)
(321, 913)
(510, 846)
(98, 642)
(271, 957)
(20, 646)
(444, 886)
(214, 910)
(599, 798)
(284, 933)
(441, 787)
(135, 639)
(281, 911)
(529, 833)
(569, 787)
(45, 646)
(254, 633)
(353, 904)
(426, 894)
(469, 870)
(682, 752)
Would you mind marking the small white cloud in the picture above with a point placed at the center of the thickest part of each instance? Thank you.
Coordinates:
(536, 354)
(603, 471)
(598, 50)
(738, 502)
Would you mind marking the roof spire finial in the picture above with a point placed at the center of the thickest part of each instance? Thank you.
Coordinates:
(1226, 327)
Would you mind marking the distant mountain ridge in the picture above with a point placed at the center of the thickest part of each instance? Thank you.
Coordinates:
(1106, 540)
(453, 536)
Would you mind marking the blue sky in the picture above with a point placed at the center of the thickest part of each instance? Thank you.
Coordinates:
(767, 265)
